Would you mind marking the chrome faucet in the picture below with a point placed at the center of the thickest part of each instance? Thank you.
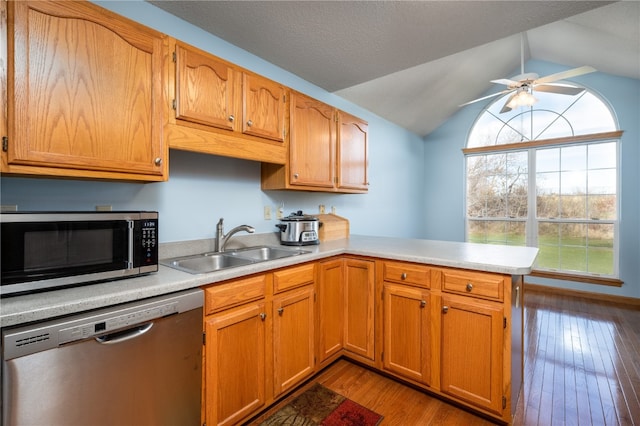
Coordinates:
(222, 240)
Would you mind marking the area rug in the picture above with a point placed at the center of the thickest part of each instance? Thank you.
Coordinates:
(321, 406)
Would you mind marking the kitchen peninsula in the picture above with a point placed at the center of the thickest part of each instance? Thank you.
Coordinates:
(462, 301)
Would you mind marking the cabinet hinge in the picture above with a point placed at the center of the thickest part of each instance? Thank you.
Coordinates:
(504, 322)
(204, 338)
(5, 143)
(174, 104)
(284, 99)
(175, 57)
(382, 356)
(504, 402)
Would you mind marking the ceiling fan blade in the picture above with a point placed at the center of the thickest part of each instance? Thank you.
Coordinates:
(561, 90)
(506, 108)
(506, 82)
(565, 74)
(486, 97)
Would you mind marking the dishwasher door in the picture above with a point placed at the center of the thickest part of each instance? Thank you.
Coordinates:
(134, 364)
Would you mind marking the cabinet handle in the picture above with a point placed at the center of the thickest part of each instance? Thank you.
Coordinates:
(445, 309)
(423, 303)
(295, 175)
(403, 276)
(263, 316)
(157, 161)
(249, 123)
(469, 286)
(280, 311)
(231, 118)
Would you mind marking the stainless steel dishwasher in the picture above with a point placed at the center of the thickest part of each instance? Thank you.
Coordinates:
(138, 363)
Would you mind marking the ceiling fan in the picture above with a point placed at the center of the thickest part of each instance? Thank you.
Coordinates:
(523, 85)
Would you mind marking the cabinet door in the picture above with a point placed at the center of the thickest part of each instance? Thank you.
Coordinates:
(235, 364)
(293, 358)
(313, 142)
(206, 90)
(406, 332)
(330, 308)
(87, 91)
(263, 103)
(359, 291)
(353, 154)
(471, 345)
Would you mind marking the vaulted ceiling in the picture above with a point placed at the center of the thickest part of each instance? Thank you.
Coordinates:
(414, 62)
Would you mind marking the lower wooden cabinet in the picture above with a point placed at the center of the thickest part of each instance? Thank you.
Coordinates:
(406, 332)
(293, 338)
(471, 345)
(235, 356)
(456, 333)
(330, 301)
(359, 308)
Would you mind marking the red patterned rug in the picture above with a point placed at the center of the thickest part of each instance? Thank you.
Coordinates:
(321, 406)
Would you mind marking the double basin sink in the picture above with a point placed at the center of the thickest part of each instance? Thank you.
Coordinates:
(216, 261)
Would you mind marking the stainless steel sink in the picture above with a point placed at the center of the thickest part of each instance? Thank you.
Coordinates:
(264, 253)
(211, 262)
(208, 262)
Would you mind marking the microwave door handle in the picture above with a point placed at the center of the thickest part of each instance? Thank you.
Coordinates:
(130, 231)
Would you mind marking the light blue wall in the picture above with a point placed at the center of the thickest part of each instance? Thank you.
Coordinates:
(203, 188)
(444, 170)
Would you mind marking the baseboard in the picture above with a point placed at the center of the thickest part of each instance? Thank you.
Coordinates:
(537, 288)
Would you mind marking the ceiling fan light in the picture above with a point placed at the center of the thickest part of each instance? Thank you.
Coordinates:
(523, 98)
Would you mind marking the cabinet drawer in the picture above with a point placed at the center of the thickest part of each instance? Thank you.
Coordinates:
(293, 277)
(479, 284)
(233, 293)
(407, 273)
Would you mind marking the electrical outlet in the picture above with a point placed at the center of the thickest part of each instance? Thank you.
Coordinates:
(280, 212)
(104, 208)
(333, 209)
(267, 212)
(321, 208)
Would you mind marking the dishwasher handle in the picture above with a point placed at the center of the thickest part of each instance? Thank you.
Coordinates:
(124, 335)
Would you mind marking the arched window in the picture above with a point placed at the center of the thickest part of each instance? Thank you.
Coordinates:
(546, 176)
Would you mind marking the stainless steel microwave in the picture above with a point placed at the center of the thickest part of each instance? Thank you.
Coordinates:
(47, 250)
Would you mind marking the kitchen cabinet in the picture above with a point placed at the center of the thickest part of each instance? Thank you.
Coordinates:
(471, 344)
(406, 331)
(325, 153)
(86, 87)
(221, 109)
(359, 308)
(353, 153)
(235, 350)
(331, 308)
(293, 338)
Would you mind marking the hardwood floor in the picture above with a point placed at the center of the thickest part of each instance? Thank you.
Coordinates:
(582, 362)
(582, 367)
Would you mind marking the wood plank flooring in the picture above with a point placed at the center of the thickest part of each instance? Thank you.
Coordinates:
(582, 367)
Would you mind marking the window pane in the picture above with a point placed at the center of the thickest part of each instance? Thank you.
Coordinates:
(602, 207)
(600, 249)
(602, 156)
(573, 158)
(496, 232)
(573, 206)
(548, 160)
(548, 239)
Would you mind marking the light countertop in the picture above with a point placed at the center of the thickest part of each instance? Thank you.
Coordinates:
(489, 258)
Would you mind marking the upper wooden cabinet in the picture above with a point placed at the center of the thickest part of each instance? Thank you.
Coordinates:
(219, 108)
(86, 93)
(328, 150)
(353, 153)
(313, 143)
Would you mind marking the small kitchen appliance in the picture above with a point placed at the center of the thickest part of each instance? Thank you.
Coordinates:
(48, 250)
(299, 229)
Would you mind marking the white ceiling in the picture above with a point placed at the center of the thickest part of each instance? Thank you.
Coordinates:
(414, 62)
